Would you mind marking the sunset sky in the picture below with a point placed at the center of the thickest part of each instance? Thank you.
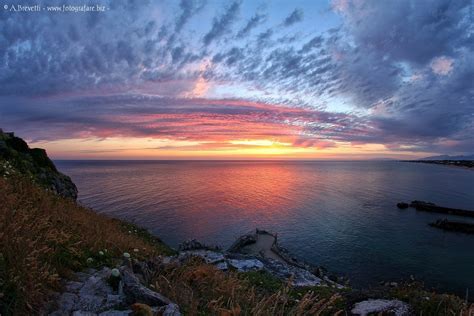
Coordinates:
(243, 79)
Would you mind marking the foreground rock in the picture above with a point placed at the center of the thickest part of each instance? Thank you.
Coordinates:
(91, 294)
(135, 292)
(394, 307)
(99, 292)
(16, 157)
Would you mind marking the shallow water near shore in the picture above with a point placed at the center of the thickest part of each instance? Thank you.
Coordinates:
(341, 215)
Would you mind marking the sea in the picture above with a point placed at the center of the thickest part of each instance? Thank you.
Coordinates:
(341, 215)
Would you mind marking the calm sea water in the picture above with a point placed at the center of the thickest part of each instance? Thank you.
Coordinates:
(341, 215)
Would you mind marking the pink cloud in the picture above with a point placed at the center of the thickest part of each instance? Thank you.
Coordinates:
(442, 65)
(340, 5)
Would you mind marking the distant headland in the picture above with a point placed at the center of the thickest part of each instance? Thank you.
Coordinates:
(454, 163)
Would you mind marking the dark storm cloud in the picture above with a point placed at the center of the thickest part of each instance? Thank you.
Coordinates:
(294, 17)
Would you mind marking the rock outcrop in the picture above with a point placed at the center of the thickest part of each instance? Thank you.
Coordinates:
(264, 254)
(455, 226)
(92, 294)
(433, 208)
(381, 307)
(16, 157)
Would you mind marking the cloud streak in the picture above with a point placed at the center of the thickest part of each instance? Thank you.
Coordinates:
(295, 17)
(221, 25)
(170, 118)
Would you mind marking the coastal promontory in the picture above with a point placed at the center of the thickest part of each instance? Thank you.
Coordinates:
(17, 157)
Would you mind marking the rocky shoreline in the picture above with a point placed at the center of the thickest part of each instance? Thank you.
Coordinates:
(126, 289)
(279, 263)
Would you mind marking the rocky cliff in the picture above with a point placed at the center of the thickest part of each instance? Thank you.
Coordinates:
(16, 157)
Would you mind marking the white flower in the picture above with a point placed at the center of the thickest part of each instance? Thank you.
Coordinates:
(115, 273)
(135, 250)
(90, 260)
(129, 232)
(126, 255)
(105, 250)
(101, 253)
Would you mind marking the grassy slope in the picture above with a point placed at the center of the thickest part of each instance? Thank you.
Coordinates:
(44, 238)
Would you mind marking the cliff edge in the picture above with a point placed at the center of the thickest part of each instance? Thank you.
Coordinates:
(17, 157)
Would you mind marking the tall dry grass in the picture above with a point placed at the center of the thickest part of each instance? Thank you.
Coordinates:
(44, 237)
(201, 289)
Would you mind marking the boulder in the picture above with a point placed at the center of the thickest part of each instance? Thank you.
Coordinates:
(402, 205)
(135, 292)
(395, 307)
(210, 257)
(196, 245)
(245, 265)
(299, 277)
(92, 295)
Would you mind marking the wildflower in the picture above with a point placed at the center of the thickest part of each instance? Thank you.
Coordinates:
(135, 250)
(126, 255)
(129, 232)
(115, 273)
(101, 253)
(90, 260)
(106, 250)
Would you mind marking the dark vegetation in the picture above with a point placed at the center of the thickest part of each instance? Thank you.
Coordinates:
(17, 157)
